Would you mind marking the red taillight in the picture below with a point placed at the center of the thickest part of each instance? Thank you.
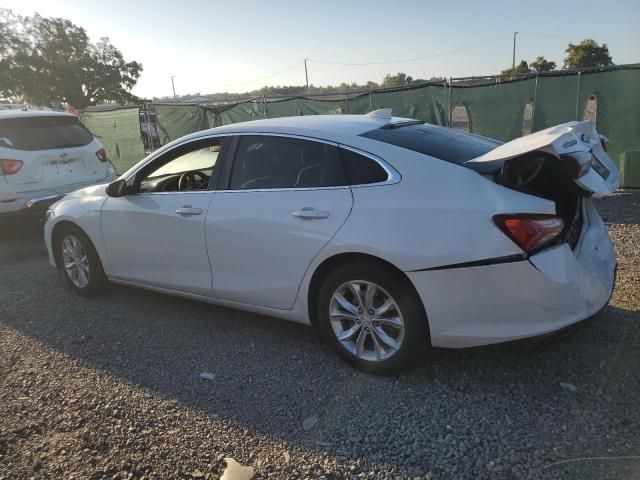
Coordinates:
(9, 167)
(530, 232)
(102, 155)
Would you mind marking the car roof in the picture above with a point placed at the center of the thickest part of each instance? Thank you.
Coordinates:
(340, 124)
(33, 113)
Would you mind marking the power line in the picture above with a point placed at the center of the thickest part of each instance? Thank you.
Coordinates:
(415, 59)
(267, 77)
(551, 35)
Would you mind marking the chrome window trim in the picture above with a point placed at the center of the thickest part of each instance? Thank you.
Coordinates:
(284, 189)
(393, 176)
(173, 193)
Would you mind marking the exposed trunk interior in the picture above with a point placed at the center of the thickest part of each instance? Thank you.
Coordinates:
(547, 177)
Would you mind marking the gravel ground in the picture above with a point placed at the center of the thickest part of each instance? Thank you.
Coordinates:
(111, 388)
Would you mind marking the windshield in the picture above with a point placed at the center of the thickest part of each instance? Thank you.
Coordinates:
(43, 133)
(439, 142)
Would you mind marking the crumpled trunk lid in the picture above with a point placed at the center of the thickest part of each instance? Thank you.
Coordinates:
(578, 141)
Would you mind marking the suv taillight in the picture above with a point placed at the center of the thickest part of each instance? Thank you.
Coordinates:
(530, 231)
(9, 167)
(102, 155)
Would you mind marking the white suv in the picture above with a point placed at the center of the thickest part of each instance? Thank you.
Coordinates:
(43, 155)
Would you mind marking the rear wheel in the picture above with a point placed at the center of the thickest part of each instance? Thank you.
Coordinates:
(372, 317)
(79, 261)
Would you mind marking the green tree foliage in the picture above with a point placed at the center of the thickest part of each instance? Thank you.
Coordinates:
(52, 60)
(587, 54)
(398, 80)
(541, 64)
(520, 69)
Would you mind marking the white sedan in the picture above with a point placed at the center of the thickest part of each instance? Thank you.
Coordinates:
(387, 234)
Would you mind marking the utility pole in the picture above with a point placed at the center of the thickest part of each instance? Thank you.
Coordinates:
(513, 66)
(173, 86)
(306, 73)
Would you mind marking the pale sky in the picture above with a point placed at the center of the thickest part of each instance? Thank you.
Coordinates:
(212, 46)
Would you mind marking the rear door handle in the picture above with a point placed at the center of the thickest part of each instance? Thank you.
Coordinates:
(188, 210)
(310, 213)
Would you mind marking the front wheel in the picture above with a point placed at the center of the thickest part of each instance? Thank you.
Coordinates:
(373, 318)
(79, 261)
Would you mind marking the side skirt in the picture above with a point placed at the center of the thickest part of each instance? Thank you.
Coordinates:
(290, 315)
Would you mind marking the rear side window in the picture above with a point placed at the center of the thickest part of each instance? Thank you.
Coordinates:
(362, 170)
(444, 143)
(43, 133)
(264, 162)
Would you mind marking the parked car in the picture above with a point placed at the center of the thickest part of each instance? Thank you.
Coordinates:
(387, 234)
(43, 155)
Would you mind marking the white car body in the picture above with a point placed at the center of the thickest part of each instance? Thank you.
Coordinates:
(430, 219)
(45, 175)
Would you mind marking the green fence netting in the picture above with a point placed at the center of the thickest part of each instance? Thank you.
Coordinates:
(175, 121)
(428, 103)
(119, 132)
(617, 115)
(503, 111)
(496, 111)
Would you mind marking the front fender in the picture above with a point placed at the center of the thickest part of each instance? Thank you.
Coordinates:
(82, 211)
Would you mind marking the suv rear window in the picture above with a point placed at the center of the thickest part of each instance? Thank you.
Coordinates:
(444, 143)
(43, 133)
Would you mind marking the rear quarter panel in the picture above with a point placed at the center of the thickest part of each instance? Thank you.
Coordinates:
(438, 214)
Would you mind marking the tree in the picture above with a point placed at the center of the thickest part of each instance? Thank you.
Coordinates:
(10, 43)
(397, 80)
(520, 69)
(52, 60)
(541, 64)
(587, 54)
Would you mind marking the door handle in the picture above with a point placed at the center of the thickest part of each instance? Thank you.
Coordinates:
(310, 213)
(188, 210)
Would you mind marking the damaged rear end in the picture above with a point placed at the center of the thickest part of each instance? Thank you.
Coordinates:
(560, 266)
(569, 165)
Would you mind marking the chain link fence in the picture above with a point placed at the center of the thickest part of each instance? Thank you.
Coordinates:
(487, 106)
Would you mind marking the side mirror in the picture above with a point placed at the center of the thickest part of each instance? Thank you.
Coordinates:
(117, 188)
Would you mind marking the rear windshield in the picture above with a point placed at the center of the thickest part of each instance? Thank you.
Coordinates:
(444, 143)
(43, 133)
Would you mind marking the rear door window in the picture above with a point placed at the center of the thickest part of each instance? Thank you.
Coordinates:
(43, 133)
(362, 170)
(273, 162)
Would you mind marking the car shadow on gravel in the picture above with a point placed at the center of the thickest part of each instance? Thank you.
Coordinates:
(520, 407)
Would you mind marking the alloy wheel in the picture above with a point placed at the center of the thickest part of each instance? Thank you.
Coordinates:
(76, 261)
(366, 320)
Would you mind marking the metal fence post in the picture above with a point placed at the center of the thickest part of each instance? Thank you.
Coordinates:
(535, 99)
(450, 112)
(370, 101)
(346, 102)
(578, 96)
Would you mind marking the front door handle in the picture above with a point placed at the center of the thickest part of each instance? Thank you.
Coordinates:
(310, 213)
(188, 210)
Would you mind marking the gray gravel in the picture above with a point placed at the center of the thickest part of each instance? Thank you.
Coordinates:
(111, 388)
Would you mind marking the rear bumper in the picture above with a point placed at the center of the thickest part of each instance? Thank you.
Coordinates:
(36, 205)
(549, 292)
(36, 202)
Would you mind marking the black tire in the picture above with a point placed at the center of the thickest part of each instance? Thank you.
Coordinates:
(415, 340)
(97, 281)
